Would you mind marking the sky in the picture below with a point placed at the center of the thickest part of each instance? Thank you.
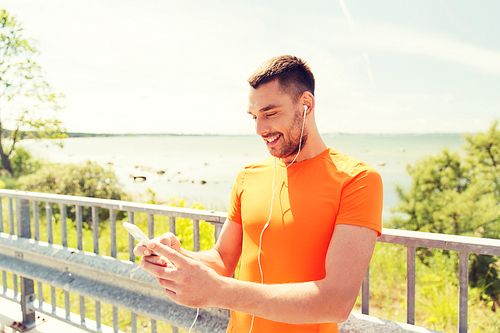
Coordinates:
(381, 66)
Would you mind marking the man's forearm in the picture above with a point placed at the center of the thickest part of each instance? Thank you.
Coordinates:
(295, 303)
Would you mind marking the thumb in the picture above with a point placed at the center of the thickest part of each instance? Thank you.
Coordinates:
(171, 240)
(168, 252)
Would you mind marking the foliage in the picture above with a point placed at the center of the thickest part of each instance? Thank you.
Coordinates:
(184, 228)
(436, 301)
(460, 195)
(23, 163)
(27, 102)
(85, 180)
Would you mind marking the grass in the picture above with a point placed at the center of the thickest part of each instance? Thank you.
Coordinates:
(436, 286)
(436, 299)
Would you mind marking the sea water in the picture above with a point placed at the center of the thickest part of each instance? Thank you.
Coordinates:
(202, 169)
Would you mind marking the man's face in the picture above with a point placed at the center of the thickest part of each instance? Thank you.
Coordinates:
(278, 120)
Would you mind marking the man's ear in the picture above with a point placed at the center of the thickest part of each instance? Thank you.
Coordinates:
(307, 99)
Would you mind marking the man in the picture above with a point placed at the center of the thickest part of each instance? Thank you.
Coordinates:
(304, 222)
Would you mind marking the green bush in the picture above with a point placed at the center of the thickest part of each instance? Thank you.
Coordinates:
(23, 163)
(458, 194)
(86, 180)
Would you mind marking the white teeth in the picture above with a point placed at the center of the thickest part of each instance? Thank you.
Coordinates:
(272, 140)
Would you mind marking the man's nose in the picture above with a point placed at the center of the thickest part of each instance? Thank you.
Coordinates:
(261, 126)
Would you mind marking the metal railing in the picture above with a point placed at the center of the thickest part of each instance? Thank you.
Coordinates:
(90, 274)
(413, 239)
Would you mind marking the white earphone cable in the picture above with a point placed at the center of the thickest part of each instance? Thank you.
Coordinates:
(195, 319)
(274, 189)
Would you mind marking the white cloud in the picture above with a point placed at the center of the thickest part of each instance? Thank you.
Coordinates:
(164, 66)
(390, 38)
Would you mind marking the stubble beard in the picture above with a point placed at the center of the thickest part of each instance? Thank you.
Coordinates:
(290, 146)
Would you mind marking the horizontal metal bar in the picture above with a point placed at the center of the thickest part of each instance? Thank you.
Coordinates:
(199, 214)
(87, 264)
(441, 241)
(73, 318)
(361, 323)
(116, 282)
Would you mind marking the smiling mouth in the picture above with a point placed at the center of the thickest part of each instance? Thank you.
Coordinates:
(271, 140)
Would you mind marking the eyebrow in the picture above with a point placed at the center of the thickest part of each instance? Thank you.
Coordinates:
(266, 108)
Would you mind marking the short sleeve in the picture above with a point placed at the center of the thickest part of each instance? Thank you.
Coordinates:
(234, 213)
(362, 200)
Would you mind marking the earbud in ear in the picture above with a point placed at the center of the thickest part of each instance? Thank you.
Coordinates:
(305, 110)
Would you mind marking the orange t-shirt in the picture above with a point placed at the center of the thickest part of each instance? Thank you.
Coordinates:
(311, 198)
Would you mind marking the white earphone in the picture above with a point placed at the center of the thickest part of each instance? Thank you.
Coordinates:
(272, 200)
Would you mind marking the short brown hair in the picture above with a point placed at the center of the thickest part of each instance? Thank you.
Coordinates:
(293, 74)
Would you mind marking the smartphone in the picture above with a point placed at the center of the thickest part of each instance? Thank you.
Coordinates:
(137, 233)
(139, 236)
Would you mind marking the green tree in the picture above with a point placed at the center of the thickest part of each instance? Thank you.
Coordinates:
(27, 102)
(85, 180)
(458, 194)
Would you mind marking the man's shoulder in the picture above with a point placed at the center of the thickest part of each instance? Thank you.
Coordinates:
(259, 164)
(349, 165)
(256, 166)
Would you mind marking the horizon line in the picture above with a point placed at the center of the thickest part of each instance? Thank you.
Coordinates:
(90, 134)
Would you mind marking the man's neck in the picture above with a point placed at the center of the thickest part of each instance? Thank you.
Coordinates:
(310, 150)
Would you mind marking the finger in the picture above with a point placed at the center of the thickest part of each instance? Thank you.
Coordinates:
(162, 272)
(156, 260)
(167, 284)
(170, 254)
(171, 289)
(141, 250)
(171, 240)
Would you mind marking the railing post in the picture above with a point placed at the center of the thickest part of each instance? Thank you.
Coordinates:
(218, 229)
(112, 226)
(196, 235)
(36, 220)
(1, 215)
(95, 228)
(27, 285)
(79, 227)
(151, 226)
(171, 224)
(365, 293)
(410, 284)
(64, 227)
(11, 217)
(131, 242)
(95, 236)
(48, 214)
(463, 299)
(4, 273)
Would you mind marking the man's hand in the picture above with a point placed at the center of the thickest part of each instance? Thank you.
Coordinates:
(167, 239)
(192, 278)
(186, 281)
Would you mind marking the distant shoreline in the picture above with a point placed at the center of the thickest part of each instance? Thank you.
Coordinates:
(89, 135)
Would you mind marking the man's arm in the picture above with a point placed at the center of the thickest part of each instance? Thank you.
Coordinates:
(328, 300)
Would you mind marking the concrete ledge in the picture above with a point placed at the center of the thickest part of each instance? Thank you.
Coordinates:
(359, 323)
(116, 282)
